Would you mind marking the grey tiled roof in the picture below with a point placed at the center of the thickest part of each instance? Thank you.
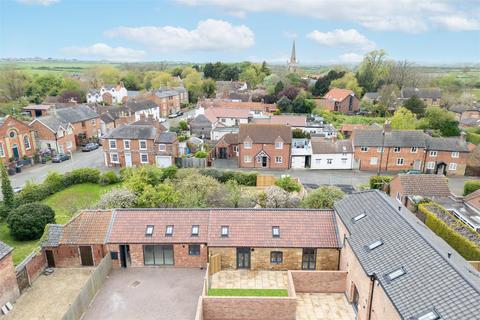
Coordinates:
(53, 122)
(53, 236)
(76, 113)
(447, 144)
(4, 250)
(133, 132)
(395, 138)
(372, 95)
(139, 105)
(423, 93)
(166, 137)
(432, 279)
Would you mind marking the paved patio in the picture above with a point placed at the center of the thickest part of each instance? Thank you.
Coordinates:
(323, 306)
(248, 279)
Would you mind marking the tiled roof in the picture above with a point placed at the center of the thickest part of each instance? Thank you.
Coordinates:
(422, 93)
(436, 275)
(88, 227)
(77, 113)
(447, 144)
(54, 235)
(372, 95)
(351, 127)
(213, 113)
(52, 121)
(166, 137)
(394, 138)
(327, 146)
(294, 121)
(4, 250)
(129, 226)
(427, 185)
(249, 105)
(140, 105)
(231, 138)
(265, 133)
(473, 195)
(130, 131)
(338, 94)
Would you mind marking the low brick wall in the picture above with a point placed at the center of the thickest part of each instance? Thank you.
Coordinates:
(319, 281)
(36, 265)
(199, 313)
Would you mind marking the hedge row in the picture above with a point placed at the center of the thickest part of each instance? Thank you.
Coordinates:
(242, 178)
(464, 247)
(470, 186)
(379, 182)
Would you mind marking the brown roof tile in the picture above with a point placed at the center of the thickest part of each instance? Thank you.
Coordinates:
(88, 227)
(338, 94)
(294, 121)
(428, 185)
(265, 133)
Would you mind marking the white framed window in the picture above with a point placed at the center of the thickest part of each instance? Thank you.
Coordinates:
(69, 130)
(433, 153)
(396, 149)
(114, 157)
(364, 149)
(112, 144)
(60, 133)
(399, 197)
(329, 161)
(413, 150)
(142, 144)
(279, 145)
(379, 149)
(452, 166)
(373, 160)
(143, 157)
(247, 144)
(455, 154)
(2, 151)
(235, 148)
(69, 145)
(318, 161)
(259, 159)
(26, 142)
(247, 159)
(400, 161)
(126, 144)
(162, 147)
(278, 160)
(430, 165)
(344, 160)
(223, 120)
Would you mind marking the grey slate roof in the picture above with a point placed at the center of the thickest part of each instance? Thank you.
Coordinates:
(4, 250)
(432, 280)
(422, 93)
(166, 137)
(447, 144)
(395, 138)
(139, 105)
(77, 113)
(372, 95)
(133, 132)
(201, 119)
(53, 236)
(53, 122)
(327, 146)
(169, 92)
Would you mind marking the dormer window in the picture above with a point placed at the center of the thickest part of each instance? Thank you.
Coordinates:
(247, 144)
(279, 145)
(195, 230)
(149, 231)
(169, 231)
(276, 232)
(395, 274)
(224, 231)
(359, 217)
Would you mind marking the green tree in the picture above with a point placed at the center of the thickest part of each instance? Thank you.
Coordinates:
(348, 81)
(7, 190)
(164, 79)
(279, 88)
(208, 88)
(13, 83)
(252, 75)
(160, 196)
(322, 85)
(28, 221)
(234, 193)
(323, 197)
(442, 120)
(183, 125)
(403, 119)
(288, 184)
(285, 105)
(373, 70)
(193, 83)
(415, 105)
(270, 82)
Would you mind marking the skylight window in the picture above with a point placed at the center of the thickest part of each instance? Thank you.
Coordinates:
(169, 230)
(195, 229)
(276, 232)
(396, 274)
(359, 217)
(431, 315)
(374, 245)
(149, 231)
(224, 231)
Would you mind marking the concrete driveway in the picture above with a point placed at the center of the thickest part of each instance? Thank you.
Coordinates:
(148, 293)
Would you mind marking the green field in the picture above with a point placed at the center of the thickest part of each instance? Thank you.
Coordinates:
(56, 67)
(65, 204)
(248, 292)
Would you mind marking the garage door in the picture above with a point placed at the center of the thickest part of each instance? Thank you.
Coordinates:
(298, 162)
(164, 161)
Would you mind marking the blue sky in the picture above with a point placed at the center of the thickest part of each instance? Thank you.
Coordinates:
(326, 31)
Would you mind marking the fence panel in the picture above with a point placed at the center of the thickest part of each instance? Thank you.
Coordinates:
(265, 180)
(191, 162)
(214, 264)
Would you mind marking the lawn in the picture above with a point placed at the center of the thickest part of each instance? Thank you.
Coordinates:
(248, 292)
(65, 203)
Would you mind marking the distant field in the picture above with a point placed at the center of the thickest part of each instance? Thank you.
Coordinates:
(58, 67)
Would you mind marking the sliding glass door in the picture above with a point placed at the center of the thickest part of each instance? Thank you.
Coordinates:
(158, 255)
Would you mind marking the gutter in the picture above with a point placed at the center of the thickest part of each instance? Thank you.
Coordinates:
(370, 298)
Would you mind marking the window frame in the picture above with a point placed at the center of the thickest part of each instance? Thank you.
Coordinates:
(162, 149)
(402, 162)
(140, 144)
(397, 149)
(125, 142)
(26, 141)
(276, 257)
(413, 150)
(455, 154)
(141, 157)
(111, 157)
(373, 163)
(433, 153)
(169, 230)
(430, 165)
(279, 145)
(224, 234)
(110, 144)
(276, 231)
(277, 158)
(452, 166)
(364, 149)
(247, 145)
(247, 159)
(194, 253)
(2, 150)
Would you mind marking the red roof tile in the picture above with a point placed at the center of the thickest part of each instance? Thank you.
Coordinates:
(338, 94)
(294, 121)
(88, 227)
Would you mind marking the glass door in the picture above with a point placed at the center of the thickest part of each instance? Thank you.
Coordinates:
(243, 258)
(308, 259)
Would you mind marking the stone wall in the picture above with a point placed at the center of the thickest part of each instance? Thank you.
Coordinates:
(8, 289)
(228, 256)
(319, 281)
(327, 259)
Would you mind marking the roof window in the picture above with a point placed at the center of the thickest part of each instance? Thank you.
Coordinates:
(276, 232)
(430, 315)
(396, 274)
(195, 229)
(169, 230)
(149, 231)
(224, 231)
(374, 245)
(359, 217)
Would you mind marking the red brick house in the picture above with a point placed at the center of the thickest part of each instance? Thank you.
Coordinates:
(17, 140)
(264, 146)
(227, 147)
(140, 143)
(404, 186)
(169, 100)
(341, 100)
(53, 134)
(8, 282)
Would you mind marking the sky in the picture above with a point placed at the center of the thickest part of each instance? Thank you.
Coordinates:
(325, 31)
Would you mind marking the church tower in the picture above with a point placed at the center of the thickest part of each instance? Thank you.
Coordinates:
(292, 64)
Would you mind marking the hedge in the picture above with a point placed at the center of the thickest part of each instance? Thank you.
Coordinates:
(378, 182)
(470, 186)
(473, 137)
(242, 178)
(464, 247)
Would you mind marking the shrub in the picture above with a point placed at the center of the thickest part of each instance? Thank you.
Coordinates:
(169, 173)
(201, 154)
(83, 175)
(109, 177)
(7, 190)
(28, 221)
(54, 182)
(470, 186)
(117, 198)
(4, 211)
(288, 184)
(242, 178)
(473, 137)
(276, 197)
(323, 197)
(380, 182)
(33, 193)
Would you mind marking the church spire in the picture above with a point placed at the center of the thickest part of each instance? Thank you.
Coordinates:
(293, 58)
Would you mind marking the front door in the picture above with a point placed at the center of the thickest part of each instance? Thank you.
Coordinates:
(243, 258)
(417, 165)
(222, 153)
(308, 259)
(86, 256)
(124, 255)
(264, 162)
(50, 258)
(128, 160)
(16, 155)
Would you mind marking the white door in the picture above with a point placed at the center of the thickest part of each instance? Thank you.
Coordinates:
(128, 159)
(298, 162)
(164, 161)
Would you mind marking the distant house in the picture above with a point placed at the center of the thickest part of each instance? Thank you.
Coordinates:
(17, 140)
(54, 134)
(372, 97)
(235, 90)
(113, 116)
(347, 129)
(257, 109)
(147, 108)
(430, 96)
(37, 110)
(109, 94)
(310, 125)
(201, 126)
(213, 123)
(226, 147)
(341, 100)
(169, 100)
(404, 186)
(331, 154)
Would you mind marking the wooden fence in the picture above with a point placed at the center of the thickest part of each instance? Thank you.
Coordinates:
(214, 264)
(265, 180)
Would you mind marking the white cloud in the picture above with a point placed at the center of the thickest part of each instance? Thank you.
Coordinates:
(342, 38)
(209, 35)
(412, 16)
(104, 51)
(351, 57)
(457, 23)
(38, 2)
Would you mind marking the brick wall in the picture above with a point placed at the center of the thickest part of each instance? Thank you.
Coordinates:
(327, 259)
(249, 308)
(446, 157)
(228, 256)
(7, 142)
(167, 105)
(36, 265)
(395, 187)
(67, 256)
(46, 135)
(389, 158)
(270, 150)
(8, 289)
(319, 281)
(88, 127)
(382, 308)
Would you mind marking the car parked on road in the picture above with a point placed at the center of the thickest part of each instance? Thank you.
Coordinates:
(90, 147)
(161, 120)
(60, 158)
(173, 115)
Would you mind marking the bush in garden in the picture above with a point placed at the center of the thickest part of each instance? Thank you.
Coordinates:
(54, 182)
(201, 154)
(276, 197)
(109, 177)
(83, 175)
(323, 197)
(288, 184)
(169, 173)
(380, 182)
(161, 196)
(117, 198)
(28, 221)
(471, 186)
(244, 179)
(33, 193)
(7, 190)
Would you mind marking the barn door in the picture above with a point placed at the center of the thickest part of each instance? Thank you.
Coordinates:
(22, 279)
(86, 256)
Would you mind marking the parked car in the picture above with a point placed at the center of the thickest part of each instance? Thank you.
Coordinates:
(173, 115)
(180, 113)
(412, 171)
(60, 158)
(90, 147)
(17, 189)
(161, 120)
